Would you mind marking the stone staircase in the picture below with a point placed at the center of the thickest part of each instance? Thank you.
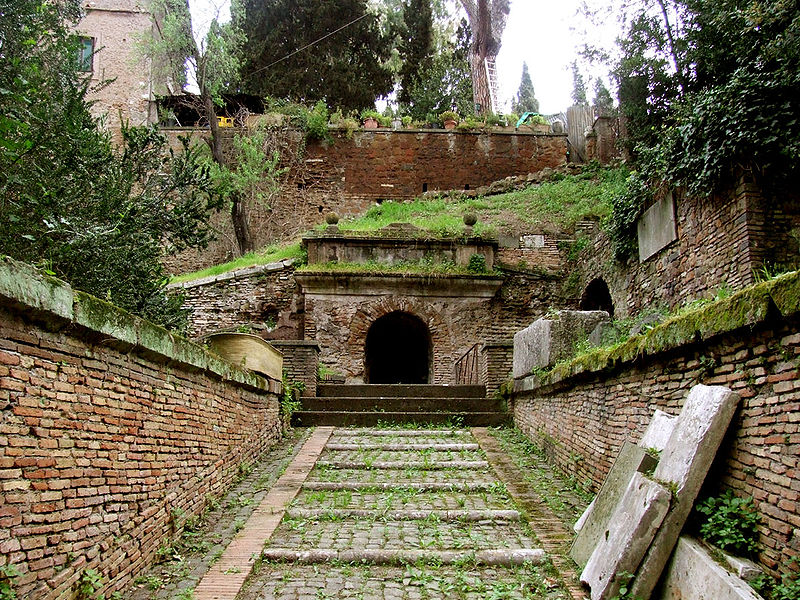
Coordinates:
(367, 405)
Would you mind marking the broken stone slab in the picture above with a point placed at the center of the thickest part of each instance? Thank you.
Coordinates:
(467, 516)
(693, 574)
(546, 341)
(493, 558)
(744, 568)
(658, 431)
(683, 466)
(631, 528)
(631, 459)
(579, 524)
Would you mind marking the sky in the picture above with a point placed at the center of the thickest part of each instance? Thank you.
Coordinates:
(546, 35)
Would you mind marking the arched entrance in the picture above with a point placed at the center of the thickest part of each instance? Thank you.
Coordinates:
(398, 350)
(597, 297)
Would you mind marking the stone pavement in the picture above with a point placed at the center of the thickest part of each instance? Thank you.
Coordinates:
(394, 514)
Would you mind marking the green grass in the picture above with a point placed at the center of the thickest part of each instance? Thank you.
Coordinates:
(421, 267)
(268, 255)
(555, 205)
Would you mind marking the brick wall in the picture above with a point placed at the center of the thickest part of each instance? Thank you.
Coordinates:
(110, 428)
(300, 359)
(582, 420)
(721, 241)
(348, 176)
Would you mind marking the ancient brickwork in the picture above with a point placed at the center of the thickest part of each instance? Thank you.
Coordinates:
(348, 176)
(265, 300)
(582, 421)
(107, 444)
(495, 360)
(721, 242)
(300, 359)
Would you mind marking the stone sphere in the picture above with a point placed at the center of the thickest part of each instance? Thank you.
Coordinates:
(470, 219)
(331, 218)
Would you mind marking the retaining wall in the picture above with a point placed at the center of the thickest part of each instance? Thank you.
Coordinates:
(113, 432)
(582, 412)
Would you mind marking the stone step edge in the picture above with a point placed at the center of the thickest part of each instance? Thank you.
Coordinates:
(401, 465)
(421, 487)
(465, 516)
(401, 447)
(489, 558)
(357, 432)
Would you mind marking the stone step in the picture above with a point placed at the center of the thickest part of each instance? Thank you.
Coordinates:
(402, 404)
(400, 390)
(308, 418)
(491, 557)
(466, 516)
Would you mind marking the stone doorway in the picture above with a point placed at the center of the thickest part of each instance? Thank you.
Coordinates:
(398, 350)
(597, 297)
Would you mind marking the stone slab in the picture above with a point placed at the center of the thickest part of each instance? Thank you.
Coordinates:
(684, 465)
(631, 528)
(693, 574)
(631, 459)
(656, 228)
(532, 347)
(658, 431)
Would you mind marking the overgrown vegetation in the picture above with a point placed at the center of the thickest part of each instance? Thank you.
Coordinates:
(95, 214)
(268, 255)
(7, 575)
(730, 523)
(426, 266)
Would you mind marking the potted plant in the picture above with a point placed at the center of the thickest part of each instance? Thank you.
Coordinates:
(449, 119)
(370, 118)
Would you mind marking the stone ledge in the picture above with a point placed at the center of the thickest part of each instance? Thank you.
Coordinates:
(235, 274)
(746, 308)
(24, 289)
(381, 284)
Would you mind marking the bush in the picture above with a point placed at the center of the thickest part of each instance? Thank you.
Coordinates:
(731, 523)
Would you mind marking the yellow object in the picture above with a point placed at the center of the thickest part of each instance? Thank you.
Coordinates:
(225, 121)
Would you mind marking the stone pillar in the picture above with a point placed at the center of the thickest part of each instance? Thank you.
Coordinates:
(300, 362)
(496, 360)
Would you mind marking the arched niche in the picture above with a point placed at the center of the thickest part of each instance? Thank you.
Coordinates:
(398, 350)
(597, 297)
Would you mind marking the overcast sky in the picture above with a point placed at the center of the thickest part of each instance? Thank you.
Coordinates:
(546, 35)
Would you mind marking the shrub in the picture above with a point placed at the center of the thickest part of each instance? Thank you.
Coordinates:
(731, 523)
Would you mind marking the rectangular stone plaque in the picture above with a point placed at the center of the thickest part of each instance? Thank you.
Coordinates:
(656, 228)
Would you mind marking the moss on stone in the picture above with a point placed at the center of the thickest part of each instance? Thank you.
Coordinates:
(103, 317)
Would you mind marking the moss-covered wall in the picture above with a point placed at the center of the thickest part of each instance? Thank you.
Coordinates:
(583, 411)
(113, 432)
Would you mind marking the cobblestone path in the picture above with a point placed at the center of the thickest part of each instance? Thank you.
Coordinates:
(385, 514)
(403, 514)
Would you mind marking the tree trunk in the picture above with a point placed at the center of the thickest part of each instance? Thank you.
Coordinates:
(480, 84)
(240, 215)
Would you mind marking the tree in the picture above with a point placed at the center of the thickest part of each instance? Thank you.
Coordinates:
(603, 102)
(526, 99)
(444, 83)
(215, 65)
(417, 45)
(97, 215)
(578, 86)
(310, 50)
(487, 19)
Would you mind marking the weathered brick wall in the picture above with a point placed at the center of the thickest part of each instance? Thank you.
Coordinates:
(265, 299)
(495, 362)
(582, 421)
(300, 360)
(721, 241)
(348, 176)
(108, 434)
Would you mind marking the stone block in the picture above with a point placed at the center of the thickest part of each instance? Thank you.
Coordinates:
(22, 284)
(630, 530)
(658, 431)
(693, 574)
(656, 227)
(546, 341)
(631, 459)
(684, 463)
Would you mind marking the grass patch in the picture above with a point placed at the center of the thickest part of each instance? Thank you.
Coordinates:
(268, 255)
(421, 267)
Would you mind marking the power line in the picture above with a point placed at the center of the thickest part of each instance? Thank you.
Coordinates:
(315, 42)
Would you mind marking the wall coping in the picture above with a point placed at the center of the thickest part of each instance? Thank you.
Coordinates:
(380, 284)
(776, 298)
(235, 274)
(23, 288)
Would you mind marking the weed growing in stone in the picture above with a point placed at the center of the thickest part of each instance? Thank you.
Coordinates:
(7, 575)
(730, 523)
(89, 585)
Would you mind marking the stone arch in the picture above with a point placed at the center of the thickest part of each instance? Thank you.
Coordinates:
(398, 350)
(370, 312)
(596, 296)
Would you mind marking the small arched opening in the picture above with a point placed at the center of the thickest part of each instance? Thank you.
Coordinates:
(398, 350)
(597, 297)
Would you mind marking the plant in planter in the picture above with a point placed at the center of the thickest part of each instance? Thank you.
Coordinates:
(370, 117)
(449, 119)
